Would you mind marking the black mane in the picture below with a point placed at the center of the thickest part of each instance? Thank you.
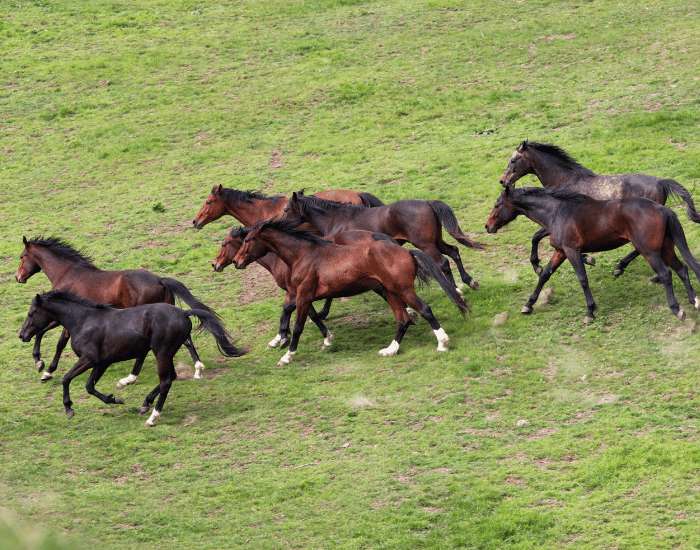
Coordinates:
(561, 157)
(61, 248)
(65, 296)
(292, 228)
(309, 202)
(234, 195)
(561, 194)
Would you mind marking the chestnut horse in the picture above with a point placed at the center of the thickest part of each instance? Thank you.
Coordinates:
(556, 169)
(71, 270)
(281, 273)
(418, 222)
(101, 335)
(250, 208)
(321, 269)
(577, 223)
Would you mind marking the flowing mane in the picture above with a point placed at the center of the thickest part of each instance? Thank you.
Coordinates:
(235, 196)
(561, 194)
(561, 158)
(291, 228)
(65, 296)
(61, 248)
(308, 202)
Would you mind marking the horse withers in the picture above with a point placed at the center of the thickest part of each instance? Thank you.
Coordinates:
(101, 335)
(577, 223)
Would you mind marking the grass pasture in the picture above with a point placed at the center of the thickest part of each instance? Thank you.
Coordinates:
(117, 118)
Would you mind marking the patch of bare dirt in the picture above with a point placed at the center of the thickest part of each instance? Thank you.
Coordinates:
(258, 285)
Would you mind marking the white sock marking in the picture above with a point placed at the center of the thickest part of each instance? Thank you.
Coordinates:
(274, 342)
(393, 349)
(327, 340)
(442, 339)
(198, 368)
(126, 381)
(286, 359)
(152, 420)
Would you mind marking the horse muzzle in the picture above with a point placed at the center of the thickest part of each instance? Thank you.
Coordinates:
(491, 229)
(196, 224)
(217, 267)
(20, 279)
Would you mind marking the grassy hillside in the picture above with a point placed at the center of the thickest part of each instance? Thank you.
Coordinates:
(117, 119)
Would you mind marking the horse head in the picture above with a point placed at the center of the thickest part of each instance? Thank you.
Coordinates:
(212, 209)
(231, 245)
(27, 264)
(503, 211)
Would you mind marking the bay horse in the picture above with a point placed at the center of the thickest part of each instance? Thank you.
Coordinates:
(556, 169)
(101, 335)
(322, 269)
(418, 222)
(69, 269)
(577, 223)
(281, 274)
(249, 207)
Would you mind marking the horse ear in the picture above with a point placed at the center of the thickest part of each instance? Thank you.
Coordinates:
(217, 192)
(523, 146)
(24, 240)
(37, 300)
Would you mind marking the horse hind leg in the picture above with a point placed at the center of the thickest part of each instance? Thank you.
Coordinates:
(94, 377)
(624, 262)
(135, 371)
(427, 314)
(453, 252)
(198, 365)
(664, 274)
(682, 271)
(166, 374)
(398, 306)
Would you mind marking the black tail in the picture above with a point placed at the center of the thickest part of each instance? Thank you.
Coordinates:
(673, 226)
(178, 290)
(427, 267)
(675, 188)
(369, 200)
(211, 322)
(449, 221)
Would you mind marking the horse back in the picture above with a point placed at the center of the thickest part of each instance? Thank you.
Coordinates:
(622, 186)
(118, 288)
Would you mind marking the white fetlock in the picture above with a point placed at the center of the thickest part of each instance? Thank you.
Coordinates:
(286, 359)
(126, 381)
(152, 420)
(697, 303)
(275, 342)
(40, 365)
(46, 376)
(442, 339)
(198, 368)
(328, 340)
(459, 291)
(393, 349)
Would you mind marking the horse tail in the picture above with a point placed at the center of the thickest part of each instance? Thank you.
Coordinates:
(427, 267)
(449, 221)
(672, 187)
(369, 200)
(384, 237)
(674, 227)
(213, 324)
(178, 290)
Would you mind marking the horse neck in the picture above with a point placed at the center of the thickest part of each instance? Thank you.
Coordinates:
(550, 173)
(256, 210)
(54, 267)
(540, 209)
(68, 313)
(288, 247)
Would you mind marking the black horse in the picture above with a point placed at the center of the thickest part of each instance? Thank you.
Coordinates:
(556, 169)
(101, 335)
(577, 223)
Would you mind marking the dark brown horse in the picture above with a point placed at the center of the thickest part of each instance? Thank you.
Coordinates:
(321, 269)
(71, 270)
(250, 208)
(415, 221)
(556, 169)
(101, 335)
(281, 273)
(577, 223)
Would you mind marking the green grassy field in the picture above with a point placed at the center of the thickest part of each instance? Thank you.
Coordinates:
(117, 119)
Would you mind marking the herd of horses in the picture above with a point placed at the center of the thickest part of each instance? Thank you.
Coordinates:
(341, 243)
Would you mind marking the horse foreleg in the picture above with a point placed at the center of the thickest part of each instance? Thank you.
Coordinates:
(282, 338)
(36, 351)
(557, 259)
(682, 271)
(534, 258)
(94, 377)
(135, 371)
(624, 262)
(302, 314)
(398, 306)
(453, 252)
(326, 309)
(60, 346)
(80, 367)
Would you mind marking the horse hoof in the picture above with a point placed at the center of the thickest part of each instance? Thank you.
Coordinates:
(286, 359)
(274, 343)
(618, 272)
(655, 280)
(328, 340)
(118, 400)
(474, 285)
(126, 381)
(39, 365)
(589, 260)
(527, 310)
(412, 316)
(46, 376)
(284, 342)
(588, 319)
(538, 270)
(198, 368)
(144, 409)
(681, 314)
(70, 413)
(392, 350)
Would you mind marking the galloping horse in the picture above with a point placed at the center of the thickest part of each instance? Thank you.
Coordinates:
(321, 269)
(577, 223)
(415, 221)
(281, 273)
(71, 270)
(557, 170)
(101, 335)
(250, 208)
